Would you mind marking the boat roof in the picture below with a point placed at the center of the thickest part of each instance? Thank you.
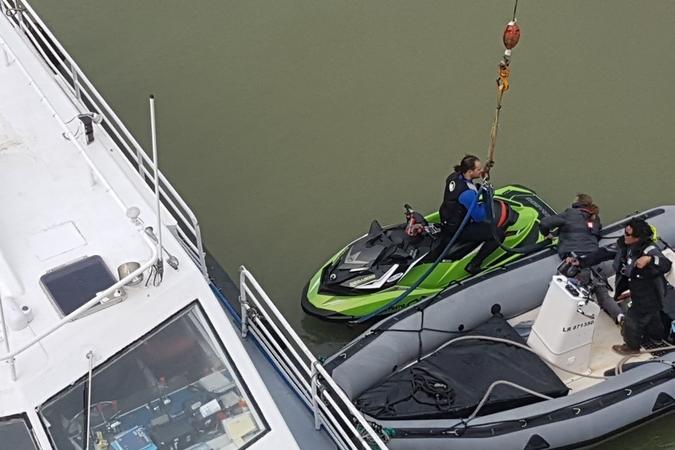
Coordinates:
(64, 214)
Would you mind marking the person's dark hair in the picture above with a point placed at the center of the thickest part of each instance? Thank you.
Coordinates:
(587, 202)
(641, 228)
(467, 163)
(584, 199)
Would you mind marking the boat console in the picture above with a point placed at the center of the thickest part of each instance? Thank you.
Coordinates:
(563, 331)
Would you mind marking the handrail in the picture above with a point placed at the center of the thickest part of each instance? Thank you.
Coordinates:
(87, 99)
(330, 405)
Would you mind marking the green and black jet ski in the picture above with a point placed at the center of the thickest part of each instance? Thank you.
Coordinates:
(377, 268)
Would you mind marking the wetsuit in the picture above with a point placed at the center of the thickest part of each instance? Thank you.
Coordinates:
(458, 196)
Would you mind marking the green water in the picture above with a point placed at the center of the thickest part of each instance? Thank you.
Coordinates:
(290, 125)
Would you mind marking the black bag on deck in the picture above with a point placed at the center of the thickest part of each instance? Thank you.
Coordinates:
(451, 382)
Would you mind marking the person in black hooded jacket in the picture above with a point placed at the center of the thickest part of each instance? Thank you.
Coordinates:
(640, 266)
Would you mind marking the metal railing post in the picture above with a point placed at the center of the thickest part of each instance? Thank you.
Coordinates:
(76, 83)
(315, 406)
(12, 367)
(19, 11)
(90, 357)
(139, 158)
(243, 301)
(200, 249)
(5, 337)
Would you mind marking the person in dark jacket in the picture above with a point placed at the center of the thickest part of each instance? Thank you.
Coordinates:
(459, 194)
(579, 229)
(640, 266)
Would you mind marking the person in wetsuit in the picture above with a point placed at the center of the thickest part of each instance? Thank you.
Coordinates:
(460, 192)
(579, 230)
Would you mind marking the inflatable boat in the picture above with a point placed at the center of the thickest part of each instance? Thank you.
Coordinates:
(518, 359)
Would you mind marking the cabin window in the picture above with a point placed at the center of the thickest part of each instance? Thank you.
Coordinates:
(173, 389)
(16, 434)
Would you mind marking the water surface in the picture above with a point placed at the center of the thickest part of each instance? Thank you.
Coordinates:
(290, 125)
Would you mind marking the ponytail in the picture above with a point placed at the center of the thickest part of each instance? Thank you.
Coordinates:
(467, 163)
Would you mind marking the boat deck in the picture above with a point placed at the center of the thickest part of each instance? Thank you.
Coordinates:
(603, 358)
(63, 201)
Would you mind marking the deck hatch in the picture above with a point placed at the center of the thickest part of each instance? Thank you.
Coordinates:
(72, 285)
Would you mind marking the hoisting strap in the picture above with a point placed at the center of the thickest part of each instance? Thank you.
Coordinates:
(502, 86)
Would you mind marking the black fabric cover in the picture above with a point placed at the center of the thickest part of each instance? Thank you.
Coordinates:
(451, 382)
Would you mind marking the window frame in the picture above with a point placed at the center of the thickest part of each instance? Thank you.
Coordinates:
(211, 333)
(29, 426)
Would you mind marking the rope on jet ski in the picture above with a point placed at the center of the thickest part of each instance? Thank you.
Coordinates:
(431, 268)
(510, 38)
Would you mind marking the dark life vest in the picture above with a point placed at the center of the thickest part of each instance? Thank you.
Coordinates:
(452, 211)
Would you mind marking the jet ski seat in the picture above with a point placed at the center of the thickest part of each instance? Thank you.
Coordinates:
(461, 249)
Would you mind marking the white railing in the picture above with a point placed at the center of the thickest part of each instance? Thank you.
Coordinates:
(88, 100)
(330, 405)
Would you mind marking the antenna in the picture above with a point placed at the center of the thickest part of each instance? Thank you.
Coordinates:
(155, 161)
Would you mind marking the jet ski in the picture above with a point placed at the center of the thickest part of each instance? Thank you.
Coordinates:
(374, 270)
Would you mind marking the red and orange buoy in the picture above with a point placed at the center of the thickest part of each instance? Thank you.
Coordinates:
(511, 36)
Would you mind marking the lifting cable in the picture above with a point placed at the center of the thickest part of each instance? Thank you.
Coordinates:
(510, 38)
